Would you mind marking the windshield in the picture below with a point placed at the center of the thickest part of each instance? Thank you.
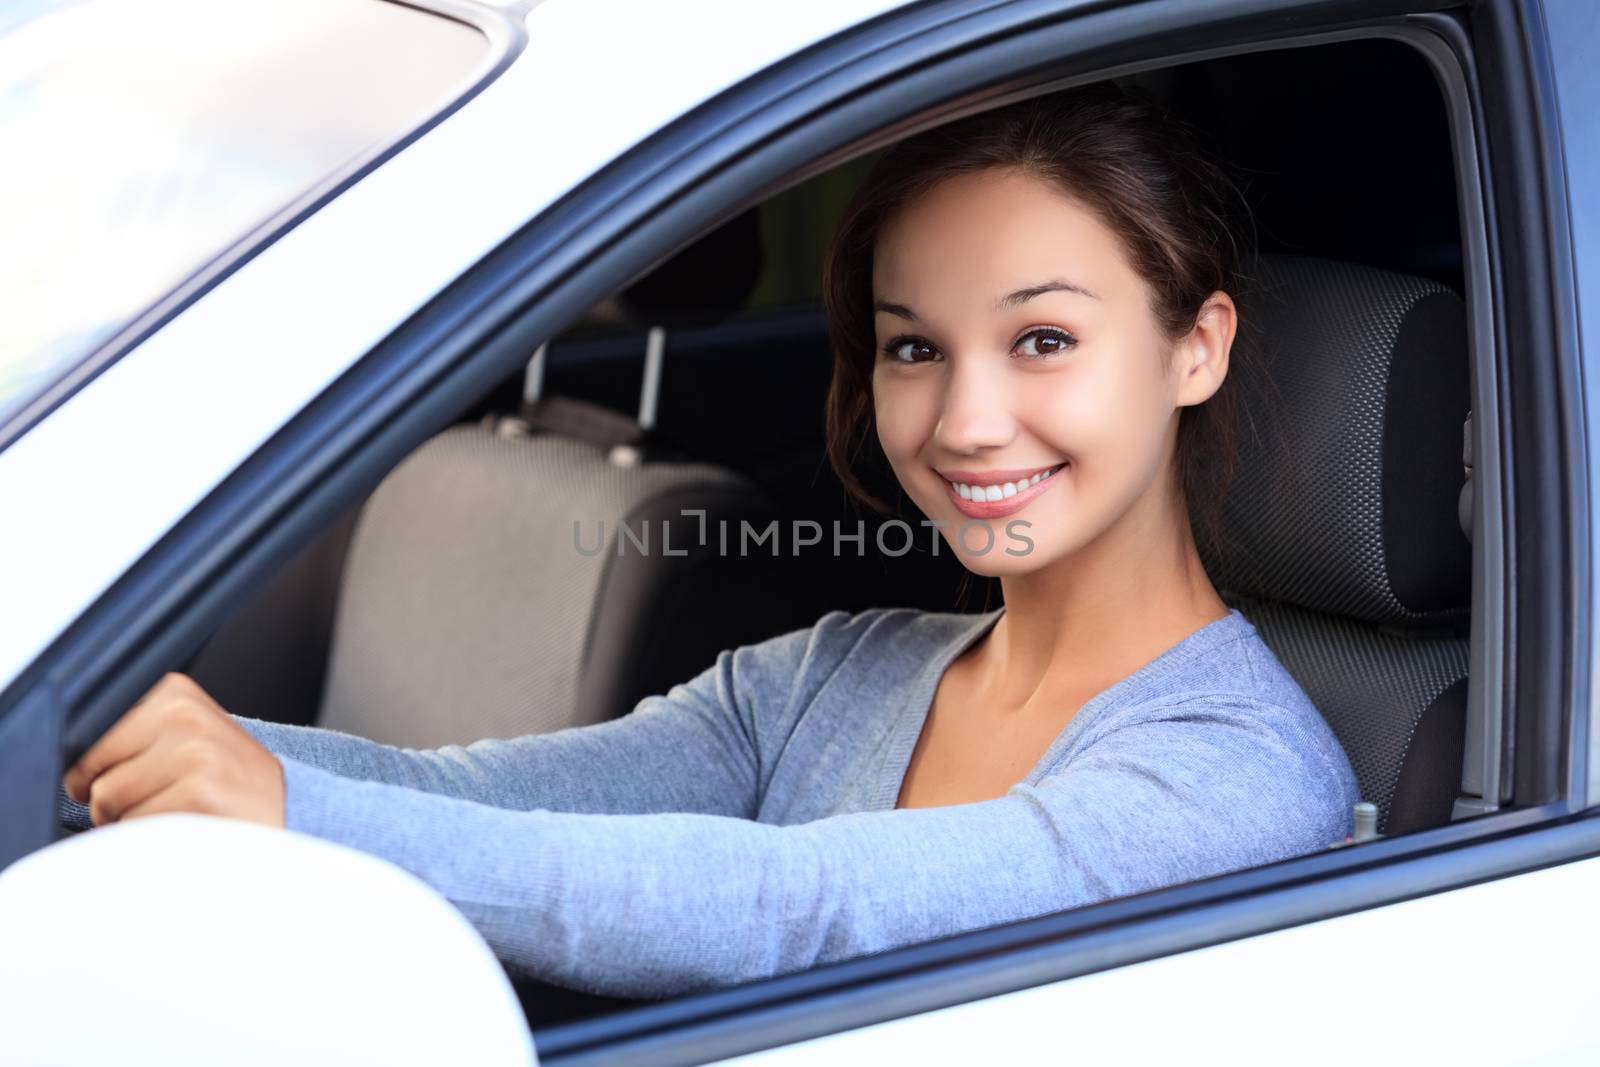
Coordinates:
(145, 138)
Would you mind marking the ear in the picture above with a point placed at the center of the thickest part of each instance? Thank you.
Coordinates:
(1201, 358)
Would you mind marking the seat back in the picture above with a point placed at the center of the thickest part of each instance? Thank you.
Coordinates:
(1341, 538)
(489, 590)
(553, 569)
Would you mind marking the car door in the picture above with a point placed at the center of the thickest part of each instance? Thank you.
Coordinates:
(1395, 915)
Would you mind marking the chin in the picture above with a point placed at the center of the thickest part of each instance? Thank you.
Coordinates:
(999, 565)
(997, 562)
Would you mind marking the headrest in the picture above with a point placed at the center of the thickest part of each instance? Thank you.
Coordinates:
(703, 282)
(1350, 460)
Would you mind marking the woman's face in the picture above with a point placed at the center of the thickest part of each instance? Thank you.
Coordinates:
(1018, 359)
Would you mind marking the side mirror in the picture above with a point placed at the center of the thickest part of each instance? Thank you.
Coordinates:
(189, 939)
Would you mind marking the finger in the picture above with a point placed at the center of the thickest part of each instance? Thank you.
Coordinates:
(131, 782)
(128, 736)
(138, 727)
(177, 797)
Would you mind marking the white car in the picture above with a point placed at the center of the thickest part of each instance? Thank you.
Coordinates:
(268, 270)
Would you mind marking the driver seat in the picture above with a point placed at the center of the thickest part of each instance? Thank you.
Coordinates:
(1340, 539)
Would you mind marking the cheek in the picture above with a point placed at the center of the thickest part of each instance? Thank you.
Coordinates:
(905, 417)
(1100, 418)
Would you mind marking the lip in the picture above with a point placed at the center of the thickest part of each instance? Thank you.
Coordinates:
(994, 509)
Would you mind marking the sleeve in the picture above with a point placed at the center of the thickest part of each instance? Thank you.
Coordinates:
(662, 903)
(695, 748)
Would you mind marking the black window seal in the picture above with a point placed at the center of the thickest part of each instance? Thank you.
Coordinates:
(505, 37)
(737, 148)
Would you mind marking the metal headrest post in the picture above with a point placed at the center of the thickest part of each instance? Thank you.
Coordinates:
(649, 390)
(532, 385)
(533, 377)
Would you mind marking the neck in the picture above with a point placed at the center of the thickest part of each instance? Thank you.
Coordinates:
(1097, 615)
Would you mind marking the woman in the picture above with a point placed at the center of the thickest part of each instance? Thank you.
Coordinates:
(1030, 313)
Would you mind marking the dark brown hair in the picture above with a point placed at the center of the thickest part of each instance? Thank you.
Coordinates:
(1144, 175)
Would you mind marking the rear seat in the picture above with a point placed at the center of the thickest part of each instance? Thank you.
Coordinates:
(475, 599)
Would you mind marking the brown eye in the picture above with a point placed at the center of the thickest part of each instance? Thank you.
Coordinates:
(1045, 343)
(909, 350)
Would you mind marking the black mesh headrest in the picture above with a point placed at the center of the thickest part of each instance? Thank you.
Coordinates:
(1345, 497)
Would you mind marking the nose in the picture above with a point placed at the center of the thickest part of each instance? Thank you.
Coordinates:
(976, 412)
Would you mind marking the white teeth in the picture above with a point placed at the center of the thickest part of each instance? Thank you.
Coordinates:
(1001, 491)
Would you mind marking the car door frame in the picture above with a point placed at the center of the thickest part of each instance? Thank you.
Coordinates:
(799, 117)
(1569, 85)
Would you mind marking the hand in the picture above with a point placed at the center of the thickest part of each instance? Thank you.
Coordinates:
(178, 750)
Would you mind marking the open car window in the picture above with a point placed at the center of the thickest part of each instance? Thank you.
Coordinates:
(415, 620)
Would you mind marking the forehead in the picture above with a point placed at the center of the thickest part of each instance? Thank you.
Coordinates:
(984, 234)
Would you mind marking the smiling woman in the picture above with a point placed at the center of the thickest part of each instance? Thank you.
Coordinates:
(1097, 185)
(892, 775)
(1089, 407)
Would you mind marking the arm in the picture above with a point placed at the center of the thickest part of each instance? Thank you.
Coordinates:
(696, 748)
(656, 904)
(691, 749)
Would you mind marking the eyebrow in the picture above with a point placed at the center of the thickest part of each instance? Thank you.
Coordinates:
(1010, 300)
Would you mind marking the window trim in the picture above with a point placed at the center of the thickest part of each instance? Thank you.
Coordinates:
(1546, 527)
(741, 146)
(1575, 90)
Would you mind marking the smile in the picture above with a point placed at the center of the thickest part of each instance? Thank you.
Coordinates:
(988, 495)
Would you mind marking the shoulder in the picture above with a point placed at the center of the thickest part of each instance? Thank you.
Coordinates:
(875, 652)
(1231, 680)
(1225, 778)
(855, 664)
(876, 648)
(1234, 723)
(885, 634)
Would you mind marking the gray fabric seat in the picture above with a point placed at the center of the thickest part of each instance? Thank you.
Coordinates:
(1341, 540)
(501, 584)
(477, 601)
(456, 603)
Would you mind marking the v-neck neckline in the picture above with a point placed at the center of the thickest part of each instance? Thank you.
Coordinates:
(914, 714)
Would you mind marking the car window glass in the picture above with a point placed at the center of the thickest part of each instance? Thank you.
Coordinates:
(145, 140)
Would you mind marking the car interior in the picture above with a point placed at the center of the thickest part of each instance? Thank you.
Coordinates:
(450, 605)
